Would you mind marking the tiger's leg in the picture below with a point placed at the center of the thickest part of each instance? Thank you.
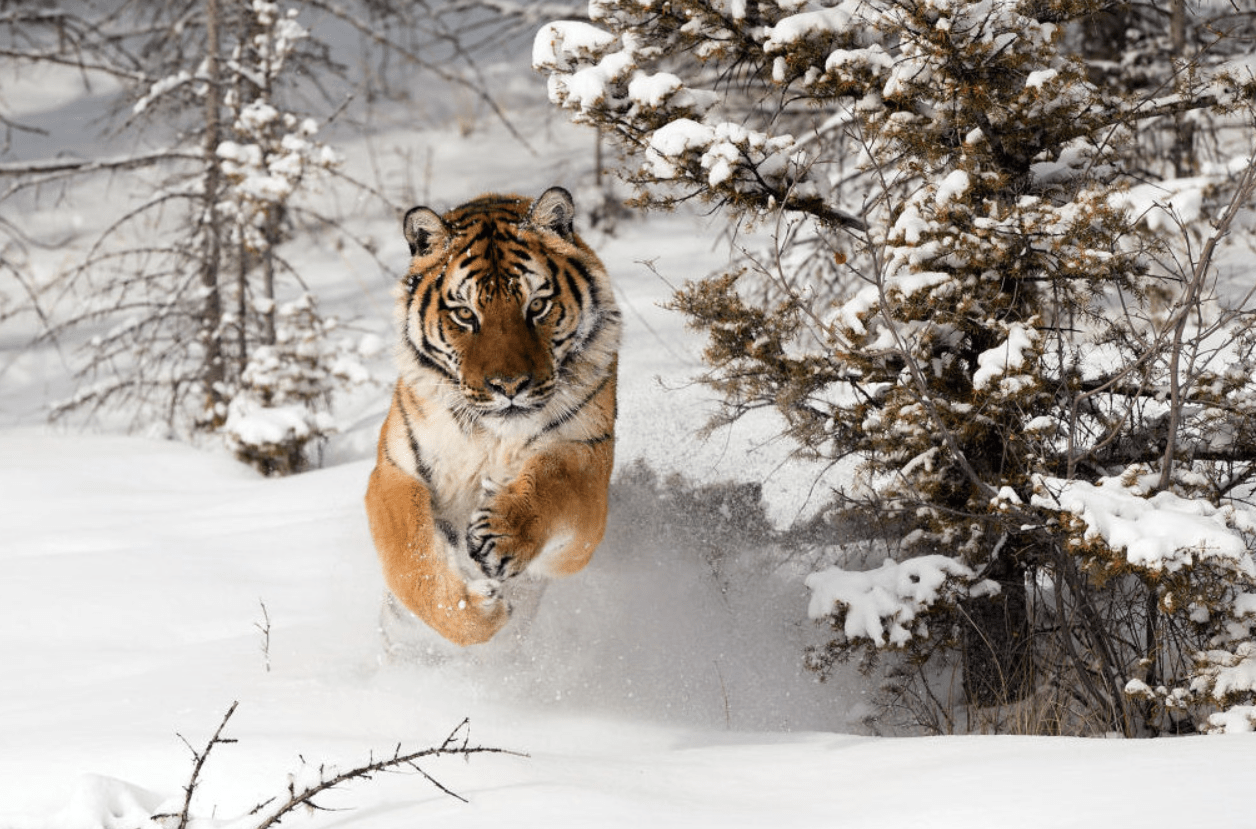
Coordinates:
(550, 518)
(417, 563)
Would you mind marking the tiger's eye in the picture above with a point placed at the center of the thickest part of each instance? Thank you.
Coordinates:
(464, 314)
(538, 306)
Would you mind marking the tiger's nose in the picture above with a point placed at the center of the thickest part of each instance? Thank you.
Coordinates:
(509, 387)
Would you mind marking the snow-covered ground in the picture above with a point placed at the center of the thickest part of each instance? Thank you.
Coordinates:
(135, 577)
(147, 585)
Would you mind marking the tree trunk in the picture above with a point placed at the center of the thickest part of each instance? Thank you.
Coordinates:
(996, 637)
(1183, 150)
(213, 369)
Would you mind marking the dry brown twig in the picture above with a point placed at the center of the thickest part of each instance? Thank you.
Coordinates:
(271, 812)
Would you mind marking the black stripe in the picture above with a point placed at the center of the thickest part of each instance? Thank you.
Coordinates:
(604, 319)
(580, 297)
(424, 471)
(569, 415)
(425, 360)
(447, 530)
(594, 299)
(563, 339)
(425, 301)
(428, 363)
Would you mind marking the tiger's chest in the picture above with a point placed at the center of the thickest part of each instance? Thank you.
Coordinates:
(457, 464)
(467, 466)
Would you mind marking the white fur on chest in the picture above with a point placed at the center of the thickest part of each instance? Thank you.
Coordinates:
(459, 464)
(464, 466)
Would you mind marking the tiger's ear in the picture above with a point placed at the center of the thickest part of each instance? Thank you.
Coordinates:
(555, 211)
(424, 230)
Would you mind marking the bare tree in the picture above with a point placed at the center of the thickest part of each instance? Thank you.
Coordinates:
(186, 309)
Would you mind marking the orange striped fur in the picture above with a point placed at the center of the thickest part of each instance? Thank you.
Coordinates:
(495, 457)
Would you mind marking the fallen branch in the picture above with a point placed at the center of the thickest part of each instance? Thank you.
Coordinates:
(457, 743)
(302, 795)
(200, 758)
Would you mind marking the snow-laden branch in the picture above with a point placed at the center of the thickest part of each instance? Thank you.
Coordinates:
(890, 605)
(1161, 531)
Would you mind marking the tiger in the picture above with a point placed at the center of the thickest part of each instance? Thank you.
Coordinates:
(494, 460)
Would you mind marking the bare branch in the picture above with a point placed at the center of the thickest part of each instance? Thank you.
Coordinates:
(456, 744)
(1242, 195)
(200, 758)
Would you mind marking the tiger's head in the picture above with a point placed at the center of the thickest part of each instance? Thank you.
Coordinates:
(504, 302)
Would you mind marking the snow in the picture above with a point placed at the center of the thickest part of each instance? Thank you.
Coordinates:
(160, 88)
(556, 41)
(882, 604)
(1163, 532)
(1039, 79)
(952, 187)
(910, 225)
(1240, 719)
(903, 285)
(251, 423)
(1166, 205)
(652, 90)
(587, 87)
(134, 571)
(1240, 675)
(801, 26)
(872, 57)
(148, 584)
(673, 140)
(1005, 357)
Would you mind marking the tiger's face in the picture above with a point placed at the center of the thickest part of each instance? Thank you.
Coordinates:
(500, 301)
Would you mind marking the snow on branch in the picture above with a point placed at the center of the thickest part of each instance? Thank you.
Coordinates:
(1160, 532)
(1006, 358)
(891, 601)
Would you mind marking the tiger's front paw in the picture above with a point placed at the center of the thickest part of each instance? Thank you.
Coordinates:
(485, 593)
(498, 544)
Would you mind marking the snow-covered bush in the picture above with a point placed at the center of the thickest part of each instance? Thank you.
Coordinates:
(261, 157)
(276, 409)
(280, 410)
(962, 298)
(1194, 560)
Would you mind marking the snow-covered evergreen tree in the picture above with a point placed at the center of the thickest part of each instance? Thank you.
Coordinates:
(966, 296)
(280, 410)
